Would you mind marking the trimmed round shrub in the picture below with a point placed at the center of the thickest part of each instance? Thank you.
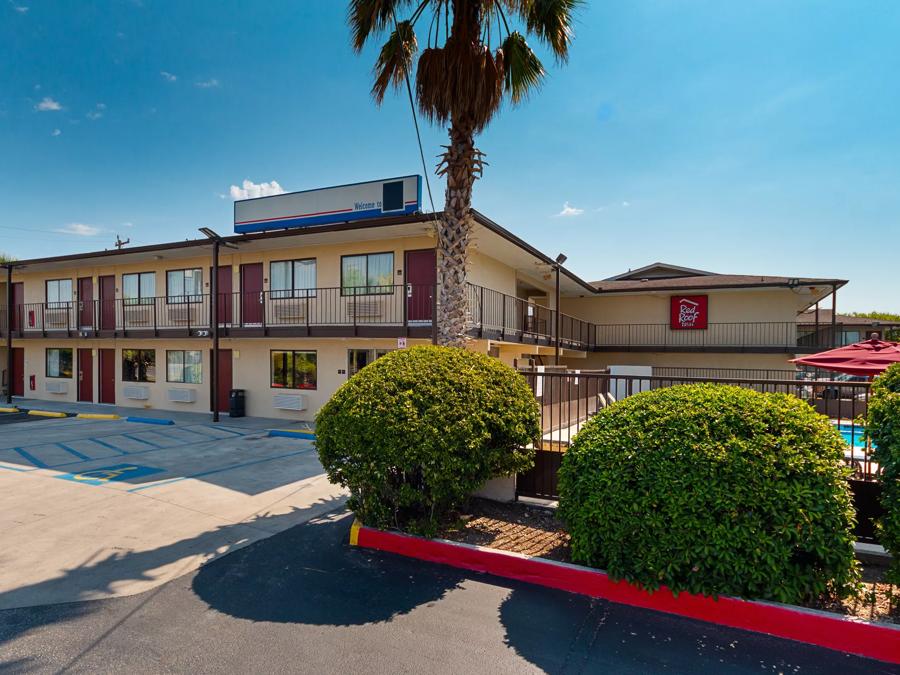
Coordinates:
(712, 489)
(883, 427)
(414, 433)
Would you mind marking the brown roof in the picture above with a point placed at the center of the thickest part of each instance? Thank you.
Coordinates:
(809, 317)
(711, 281)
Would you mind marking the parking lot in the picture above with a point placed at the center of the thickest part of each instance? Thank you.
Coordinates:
(99, 508)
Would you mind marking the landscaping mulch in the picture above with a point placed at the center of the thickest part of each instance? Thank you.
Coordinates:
(535, 531)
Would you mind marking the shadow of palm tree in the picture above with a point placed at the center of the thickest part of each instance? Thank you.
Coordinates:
(311, 575)
(27, 608)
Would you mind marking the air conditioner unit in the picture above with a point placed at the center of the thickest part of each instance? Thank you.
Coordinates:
(289, 401)
(57, 387)
(58, 317)
(293, 311)
(182, 395)
(138, 315)
(183, 314)
(136, 393)
(364, 308)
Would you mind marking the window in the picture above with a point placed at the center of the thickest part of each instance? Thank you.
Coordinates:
(139, 289)
(293, 278)
(294, 370)
(59, 293)
(139, 365)
(184, 286)
(59, 363)
(851, 337)
(184, 366)
(357, 359)
(371, 274)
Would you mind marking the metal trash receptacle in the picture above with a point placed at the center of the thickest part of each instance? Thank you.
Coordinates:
(237, 403)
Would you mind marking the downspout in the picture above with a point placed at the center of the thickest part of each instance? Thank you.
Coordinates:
(833, 316)
(556, 327)
(214, 319)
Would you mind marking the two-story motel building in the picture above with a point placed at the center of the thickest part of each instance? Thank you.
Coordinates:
(314, 285)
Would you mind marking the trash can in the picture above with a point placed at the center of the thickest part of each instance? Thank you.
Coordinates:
(237, 403)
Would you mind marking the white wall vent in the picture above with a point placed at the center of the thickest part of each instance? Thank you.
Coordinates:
(57, 387)
(136, 393)
(289, 401)
(182, 395)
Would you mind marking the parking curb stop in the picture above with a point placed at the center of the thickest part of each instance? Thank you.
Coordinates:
(9, 410)
(150, 420)
(97, 416)
(293, 433)
(47, 413)
(354, 532)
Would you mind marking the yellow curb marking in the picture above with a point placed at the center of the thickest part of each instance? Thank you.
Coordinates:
(354, 533)
(97, 416)
(9, 410)
(46, 413)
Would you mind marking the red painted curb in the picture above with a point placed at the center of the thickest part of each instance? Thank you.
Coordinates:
(823, 629)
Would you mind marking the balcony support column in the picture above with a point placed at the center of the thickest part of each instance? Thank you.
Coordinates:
(556, 322)
(9, 330)
(214, 326)
(833, 316)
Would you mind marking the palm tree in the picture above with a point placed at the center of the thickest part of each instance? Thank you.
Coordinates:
(471, 62)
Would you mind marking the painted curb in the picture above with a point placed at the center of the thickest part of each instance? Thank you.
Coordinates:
(150, 420)
(97, 416)
(47, 413)
(9, 410)
(823, 629)
(292, 433)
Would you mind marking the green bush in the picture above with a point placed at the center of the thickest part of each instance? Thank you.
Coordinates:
(883, 427)
(413, 434)
(712, 489)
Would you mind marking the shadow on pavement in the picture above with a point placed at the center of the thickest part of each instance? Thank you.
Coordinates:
(100, 576)
(311, 575)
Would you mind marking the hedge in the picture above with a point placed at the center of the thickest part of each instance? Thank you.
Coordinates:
(883, 426)
(712, 489)
(414, 433)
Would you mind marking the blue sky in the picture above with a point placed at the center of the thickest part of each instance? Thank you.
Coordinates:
(740, 137)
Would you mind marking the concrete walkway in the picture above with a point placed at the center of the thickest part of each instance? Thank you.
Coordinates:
(94, 509)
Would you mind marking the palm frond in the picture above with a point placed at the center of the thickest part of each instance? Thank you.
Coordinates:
(522, 69)
(395, 60)
(372, 17)
(549, 20)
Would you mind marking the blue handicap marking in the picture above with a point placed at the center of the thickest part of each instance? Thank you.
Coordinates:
(106, 474)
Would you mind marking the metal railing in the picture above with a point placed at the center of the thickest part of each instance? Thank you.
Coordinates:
(569, 399)
(776, 335)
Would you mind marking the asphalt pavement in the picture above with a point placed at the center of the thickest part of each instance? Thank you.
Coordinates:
(304, 601)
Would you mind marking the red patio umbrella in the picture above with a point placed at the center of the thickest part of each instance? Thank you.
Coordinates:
(870, 358)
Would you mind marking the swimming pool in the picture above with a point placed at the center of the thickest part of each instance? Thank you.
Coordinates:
(855, 435)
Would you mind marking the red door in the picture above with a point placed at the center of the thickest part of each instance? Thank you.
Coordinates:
(85, 376)
(225, 383)
(251, 294)
(18, 372)
(107, 302)
(225, 297)
(421, 276)
(86, 302)
(107, 376)
(18, 306)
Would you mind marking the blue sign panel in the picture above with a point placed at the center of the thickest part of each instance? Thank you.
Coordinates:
(107, 474)
(343, 203)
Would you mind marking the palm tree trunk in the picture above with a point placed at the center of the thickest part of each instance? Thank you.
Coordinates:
(461, 165)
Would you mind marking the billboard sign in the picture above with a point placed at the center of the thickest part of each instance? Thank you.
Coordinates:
(343, 203)
(689, 312)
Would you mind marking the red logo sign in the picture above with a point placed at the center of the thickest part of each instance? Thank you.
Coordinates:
(689, 312)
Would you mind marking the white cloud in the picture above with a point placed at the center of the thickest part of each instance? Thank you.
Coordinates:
(21, 9)
(48, 103)
(97, 112)
(168, 77)
(626, 204)
(249, 189)
(568, 210)
(80, 229)
(207, 84)
(56, 132)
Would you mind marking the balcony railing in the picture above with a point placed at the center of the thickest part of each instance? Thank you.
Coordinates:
(778, 335)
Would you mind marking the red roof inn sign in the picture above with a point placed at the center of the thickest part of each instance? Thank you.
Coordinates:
(689, 312)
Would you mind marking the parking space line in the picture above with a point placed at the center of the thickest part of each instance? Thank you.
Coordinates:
(31, 458)
(108, 445)
(73, 451)
(213, 471)
(190, 431)
(225, 429)
(141, 440)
